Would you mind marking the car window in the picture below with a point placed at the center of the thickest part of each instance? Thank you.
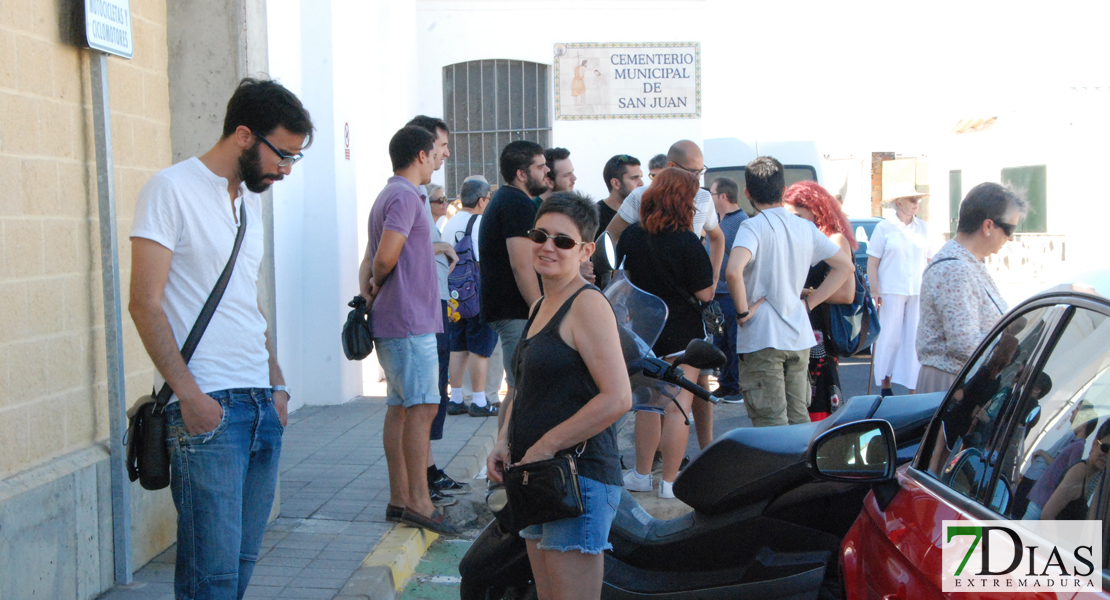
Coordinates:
(1056, 458)
(971, 415)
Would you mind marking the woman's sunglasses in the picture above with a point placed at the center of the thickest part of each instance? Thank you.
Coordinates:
(561, 241)
(1105, 447)
(1006, 228)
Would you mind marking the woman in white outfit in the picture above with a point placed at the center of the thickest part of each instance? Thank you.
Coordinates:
(898, 251)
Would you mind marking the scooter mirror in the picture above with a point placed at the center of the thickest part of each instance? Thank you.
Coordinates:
(496, 499)
(700, 354)
(605, 244)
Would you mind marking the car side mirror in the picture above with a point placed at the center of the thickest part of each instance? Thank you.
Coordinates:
(859, 452)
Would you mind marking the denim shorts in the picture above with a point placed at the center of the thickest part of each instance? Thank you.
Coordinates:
(411, 366)
(588, 534)
(473, 335)
(509, 331)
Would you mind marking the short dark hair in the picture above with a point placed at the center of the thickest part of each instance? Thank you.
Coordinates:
(580, 208)
(659, 161)
(551, 155)
(1103, 430)
(728, 187)
(765, 180)
(616, 167)
(988, 201)
(473, 191)
(432, 124)
(407, 144)
(516, 156)
(263, 105)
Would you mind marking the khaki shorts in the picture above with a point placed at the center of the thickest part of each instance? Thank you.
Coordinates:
(776, 387)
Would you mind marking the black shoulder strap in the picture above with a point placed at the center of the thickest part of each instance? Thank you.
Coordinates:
(470, 225)
(937, 262)
(210, 305)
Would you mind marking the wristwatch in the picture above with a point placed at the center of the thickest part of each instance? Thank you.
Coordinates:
(280, 388)
(743, 314)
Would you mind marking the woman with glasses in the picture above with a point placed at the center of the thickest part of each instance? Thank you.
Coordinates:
(897, 253)
(572, 386)
(663, 256)
(960, 303)
(1072, 499)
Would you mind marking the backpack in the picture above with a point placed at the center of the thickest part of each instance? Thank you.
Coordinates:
(463, 280)
(854, 327)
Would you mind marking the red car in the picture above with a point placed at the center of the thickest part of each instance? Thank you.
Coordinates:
(1023, 434)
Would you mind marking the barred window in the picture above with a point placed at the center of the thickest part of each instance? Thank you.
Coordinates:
(487, 104)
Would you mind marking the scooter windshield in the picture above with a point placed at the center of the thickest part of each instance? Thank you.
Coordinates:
(641, 317)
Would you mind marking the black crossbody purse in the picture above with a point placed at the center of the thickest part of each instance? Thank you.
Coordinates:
(148, 458)
(545, 490)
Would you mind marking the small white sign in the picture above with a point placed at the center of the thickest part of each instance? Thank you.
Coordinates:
(989, 557)
(108, 26)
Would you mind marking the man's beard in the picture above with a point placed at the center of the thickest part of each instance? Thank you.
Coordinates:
(536, 186)
(250, 170)
(625, 191)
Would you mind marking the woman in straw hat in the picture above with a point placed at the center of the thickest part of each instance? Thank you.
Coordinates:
(898, 251)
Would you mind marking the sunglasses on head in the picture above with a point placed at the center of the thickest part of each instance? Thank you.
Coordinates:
(1006, 228)
(561, 241)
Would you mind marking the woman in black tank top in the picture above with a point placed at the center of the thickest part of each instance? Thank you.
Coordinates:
(572, 386)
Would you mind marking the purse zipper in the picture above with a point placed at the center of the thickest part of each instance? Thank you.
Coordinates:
(525, 478)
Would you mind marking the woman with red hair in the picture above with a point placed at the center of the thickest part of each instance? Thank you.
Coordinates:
(813, 203)
(663, 256)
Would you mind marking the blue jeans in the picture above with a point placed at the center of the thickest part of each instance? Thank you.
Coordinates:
(223, 487)
(728, 384)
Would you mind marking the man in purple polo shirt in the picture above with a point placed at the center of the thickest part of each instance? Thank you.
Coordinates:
(398, 278)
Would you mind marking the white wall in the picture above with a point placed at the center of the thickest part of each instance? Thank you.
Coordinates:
(313, 51)
(453, 31)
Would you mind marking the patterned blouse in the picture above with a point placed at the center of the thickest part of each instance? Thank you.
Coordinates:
(959, 305)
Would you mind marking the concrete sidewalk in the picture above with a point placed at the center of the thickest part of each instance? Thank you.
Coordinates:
(334, 488)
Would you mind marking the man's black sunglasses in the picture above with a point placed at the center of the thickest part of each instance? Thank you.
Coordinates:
(285, 159)
(562, 241)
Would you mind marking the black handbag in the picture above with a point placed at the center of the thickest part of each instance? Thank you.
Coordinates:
(148, 458)
(544, 491)
(358, 332)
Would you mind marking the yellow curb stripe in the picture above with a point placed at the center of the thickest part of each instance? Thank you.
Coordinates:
(400, 551)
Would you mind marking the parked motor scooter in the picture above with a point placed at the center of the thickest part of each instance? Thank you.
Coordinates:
(763, 525)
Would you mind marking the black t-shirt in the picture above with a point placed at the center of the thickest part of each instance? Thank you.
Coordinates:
(605, 214)
(510, 214)
(678, 256)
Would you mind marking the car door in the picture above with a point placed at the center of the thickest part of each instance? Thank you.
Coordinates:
(899, 544)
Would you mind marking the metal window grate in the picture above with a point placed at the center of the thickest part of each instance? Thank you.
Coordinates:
(487, 104)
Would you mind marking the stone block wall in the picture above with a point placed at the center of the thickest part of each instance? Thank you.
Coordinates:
(55, 504)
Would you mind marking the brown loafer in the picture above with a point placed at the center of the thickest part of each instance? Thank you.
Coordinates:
(436, 523)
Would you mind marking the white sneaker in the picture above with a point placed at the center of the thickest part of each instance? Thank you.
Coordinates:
(636, 482)
(666, 489)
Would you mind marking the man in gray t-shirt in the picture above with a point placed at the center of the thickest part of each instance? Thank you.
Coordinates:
(767, 269)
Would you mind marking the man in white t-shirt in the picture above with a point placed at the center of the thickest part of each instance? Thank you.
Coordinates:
(767, 270)
(685, 155)
(229, 407)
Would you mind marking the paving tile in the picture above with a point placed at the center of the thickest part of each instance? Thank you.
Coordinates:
(262, 591)
(308, 593)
